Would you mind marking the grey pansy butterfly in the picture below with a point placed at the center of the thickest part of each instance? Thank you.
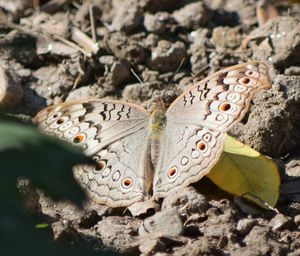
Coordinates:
(141, 155)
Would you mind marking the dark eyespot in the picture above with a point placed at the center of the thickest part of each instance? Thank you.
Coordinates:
(245, 80)
(172, 172)
(127, 183)
(100, 165)
(225, 106)
(79, 138)
(59, 121)
(201, 145)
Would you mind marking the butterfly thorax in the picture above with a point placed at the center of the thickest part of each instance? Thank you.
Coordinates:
(157, 127)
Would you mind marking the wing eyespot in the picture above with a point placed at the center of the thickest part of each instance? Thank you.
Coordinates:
(252, 73)
(79, 138)
(245, 80)
(60, 121)
(225, 106)
(100, 165)
(201, 146)
(127, 183)
(172, 172)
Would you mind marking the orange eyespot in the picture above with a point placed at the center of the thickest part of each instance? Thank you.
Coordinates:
(201, 146)
(245, 80)
(100, 165)
(225, 106)
(172, 172)
(127, 183)
(79, 138)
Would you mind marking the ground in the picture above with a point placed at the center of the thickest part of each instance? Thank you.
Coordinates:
(49, 55)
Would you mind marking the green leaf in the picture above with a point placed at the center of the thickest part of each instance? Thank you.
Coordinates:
(245, 172)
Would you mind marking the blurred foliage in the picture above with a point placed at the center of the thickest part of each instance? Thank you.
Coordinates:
(47, 162)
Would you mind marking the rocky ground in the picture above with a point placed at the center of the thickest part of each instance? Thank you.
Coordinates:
(49, 55)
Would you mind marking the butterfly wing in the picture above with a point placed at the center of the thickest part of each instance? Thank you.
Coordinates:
(116, 135)
(197, 120)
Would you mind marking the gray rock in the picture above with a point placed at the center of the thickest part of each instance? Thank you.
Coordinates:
(280, 222)
(226, 37)
(277, 41)
(267, 131)
(187, 201)
(141, 92)
(193, 15)
(117, 233)
(156, 23)
(167, 56)
(128, 17)
(126, 48)
(245, 225)
(164, 223)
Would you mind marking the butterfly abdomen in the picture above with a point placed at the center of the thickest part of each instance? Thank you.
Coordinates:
(157, 127)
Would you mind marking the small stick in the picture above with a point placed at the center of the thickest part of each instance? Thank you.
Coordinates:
(75, 46)
(84, 41)
(92, 21)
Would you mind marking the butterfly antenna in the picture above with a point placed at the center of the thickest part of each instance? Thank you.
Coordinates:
(172, 80)
(180, 65)
(136, 76)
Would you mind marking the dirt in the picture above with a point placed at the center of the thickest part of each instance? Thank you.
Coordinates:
(49, 56)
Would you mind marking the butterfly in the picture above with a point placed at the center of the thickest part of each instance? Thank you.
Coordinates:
(142, 154)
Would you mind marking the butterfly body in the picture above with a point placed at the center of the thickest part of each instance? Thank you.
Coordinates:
(140, 154)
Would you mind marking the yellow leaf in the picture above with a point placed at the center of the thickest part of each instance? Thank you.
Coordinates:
(245, 172)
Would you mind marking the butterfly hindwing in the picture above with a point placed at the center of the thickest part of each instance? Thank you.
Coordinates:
(212, 107)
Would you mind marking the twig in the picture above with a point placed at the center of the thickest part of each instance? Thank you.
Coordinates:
(84, 41)
(92, 21)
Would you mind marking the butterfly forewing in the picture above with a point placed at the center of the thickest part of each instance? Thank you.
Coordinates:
(116, 135)
(196, 123)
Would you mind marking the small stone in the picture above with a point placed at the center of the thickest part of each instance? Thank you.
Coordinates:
(188, 201)
(117, 233)
(120, 72)
(258, 238)
(156, 23)
(280, 222)
(167, 56)
(226, 37)
(245, 225)
(297, 220)
(87, 92)
(199, 38)
(62, 231)
(11, 92)
(164, 223)
(141, 92)
(292, 168)
(126, 48)
(201, 246)
(193, 15)
(143, 207)
(128, 17)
